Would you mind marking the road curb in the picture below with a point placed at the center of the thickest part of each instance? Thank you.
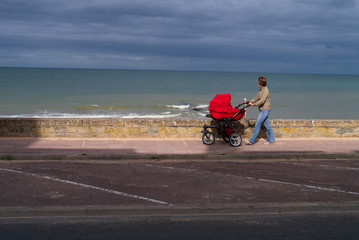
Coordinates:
(88, 211)
(246, 156)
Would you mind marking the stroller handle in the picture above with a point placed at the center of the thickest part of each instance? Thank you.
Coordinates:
(246, 102)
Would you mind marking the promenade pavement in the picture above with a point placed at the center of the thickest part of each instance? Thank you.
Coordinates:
(94, 148)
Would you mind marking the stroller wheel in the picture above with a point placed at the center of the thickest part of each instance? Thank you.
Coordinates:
(226, 138)
(208, 138)
(235, 140)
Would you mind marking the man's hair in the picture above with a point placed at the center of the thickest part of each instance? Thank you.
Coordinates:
(262, 81)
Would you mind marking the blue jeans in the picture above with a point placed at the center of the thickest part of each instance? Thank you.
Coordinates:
(263, 117)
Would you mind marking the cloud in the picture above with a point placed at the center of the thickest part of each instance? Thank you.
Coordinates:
(226, 35)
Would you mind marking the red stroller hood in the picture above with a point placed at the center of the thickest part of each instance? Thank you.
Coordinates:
(220, 107)
(221, 103)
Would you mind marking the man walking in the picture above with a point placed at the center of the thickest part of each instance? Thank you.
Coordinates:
(262, 100)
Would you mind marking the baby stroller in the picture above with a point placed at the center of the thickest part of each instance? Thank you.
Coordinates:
(222, 111)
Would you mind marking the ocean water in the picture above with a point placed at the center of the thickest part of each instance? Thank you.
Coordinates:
(65, 93)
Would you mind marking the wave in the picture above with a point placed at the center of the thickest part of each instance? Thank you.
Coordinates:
(187, 106)
(202, 106)
(110, 111)
(59, 115)
(74, 115)
(134, 115)
(92, 107)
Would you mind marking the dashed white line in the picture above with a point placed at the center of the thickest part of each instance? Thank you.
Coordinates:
(304, 185)
(260, 179)
(87, 186)
(322, 165)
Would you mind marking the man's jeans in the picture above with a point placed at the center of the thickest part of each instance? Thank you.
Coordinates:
(263, 117)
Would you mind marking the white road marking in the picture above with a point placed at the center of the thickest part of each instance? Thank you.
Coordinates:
(87, 186)
(185, 144)
(304, 185)
(260, 179)
(322, 165)
(83, 144)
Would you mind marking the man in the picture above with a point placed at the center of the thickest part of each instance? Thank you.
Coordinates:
(262, 100)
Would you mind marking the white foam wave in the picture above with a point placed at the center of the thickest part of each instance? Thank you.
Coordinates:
(64, 115)
(203, 114)
(179, 106)
(150, 116)
(164, 114)
(91, 116)
(202, 106)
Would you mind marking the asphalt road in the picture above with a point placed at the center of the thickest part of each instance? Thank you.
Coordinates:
(343, 226)
(274, 199)
(176, 183)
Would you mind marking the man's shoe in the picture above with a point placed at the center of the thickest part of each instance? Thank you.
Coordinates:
(269, 143)
(247, 142)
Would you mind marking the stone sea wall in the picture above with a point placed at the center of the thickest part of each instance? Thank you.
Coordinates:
(167, 128)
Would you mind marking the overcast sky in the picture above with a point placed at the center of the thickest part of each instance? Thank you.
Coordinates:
(295, 36)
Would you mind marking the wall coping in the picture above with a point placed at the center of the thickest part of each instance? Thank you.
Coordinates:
(167, 128)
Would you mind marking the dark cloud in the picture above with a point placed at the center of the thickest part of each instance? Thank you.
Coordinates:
(226, 35)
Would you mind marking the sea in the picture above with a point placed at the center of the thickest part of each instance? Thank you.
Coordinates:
(97, 93)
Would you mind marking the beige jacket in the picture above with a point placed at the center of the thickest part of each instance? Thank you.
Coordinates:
(262, 100)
